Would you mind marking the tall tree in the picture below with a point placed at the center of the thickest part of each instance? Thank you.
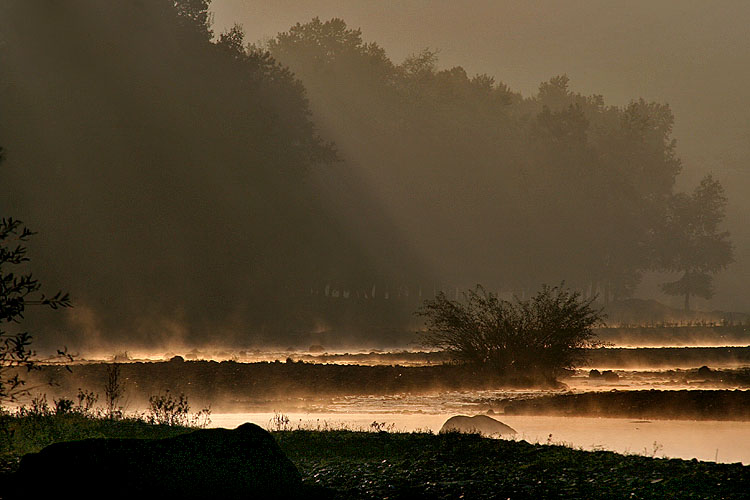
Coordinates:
(691, 241)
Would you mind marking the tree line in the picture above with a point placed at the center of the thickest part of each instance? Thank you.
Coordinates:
(188, 182)
(512, 190)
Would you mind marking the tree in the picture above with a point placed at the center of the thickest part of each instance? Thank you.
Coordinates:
(16, 292)
(691, 242)
(542, 335)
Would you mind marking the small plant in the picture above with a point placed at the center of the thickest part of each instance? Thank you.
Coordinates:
(113, 391)
(202, 418)
(166, 409)
(382, 426)
(279, 422)
(655, 449)
(38, 408)
(86, 402)
(63, 406)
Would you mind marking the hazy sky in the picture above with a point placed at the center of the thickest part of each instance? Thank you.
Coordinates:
(694, 55)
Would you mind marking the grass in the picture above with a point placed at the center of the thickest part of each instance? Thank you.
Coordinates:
(380, 465)
(20, 435)
(371, 465)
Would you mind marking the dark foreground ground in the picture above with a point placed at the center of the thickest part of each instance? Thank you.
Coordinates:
(380, 465)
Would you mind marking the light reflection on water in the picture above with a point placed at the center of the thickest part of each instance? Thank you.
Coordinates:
(727, 442)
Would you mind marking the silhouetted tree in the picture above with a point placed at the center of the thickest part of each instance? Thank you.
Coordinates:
(17, 292)
(691, 241)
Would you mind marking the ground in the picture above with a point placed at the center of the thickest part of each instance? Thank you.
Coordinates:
(382, 465)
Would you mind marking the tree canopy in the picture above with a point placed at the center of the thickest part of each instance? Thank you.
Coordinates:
(692, 242)
(518, 190)
(180, 181)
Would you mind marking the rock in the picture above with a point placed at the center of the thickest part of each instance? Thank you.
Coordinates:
(177, 359)
(706, 372)
(610, 376)
(482, 424)
(211, 463)
(595, 373)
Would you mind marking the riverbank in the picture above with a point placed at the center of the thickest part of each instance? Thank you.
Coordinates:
(361, 465)
(380, 465)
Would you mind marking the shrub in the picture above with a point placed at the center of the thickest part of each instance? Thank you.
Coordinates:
(166, 409)
(113, 391)
(540, 336)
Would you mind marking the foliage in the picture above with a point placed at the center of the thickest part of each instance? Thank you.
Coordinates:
(582, 185)
(113, 390)
(240, 143)
(691, 241)
(30, 432)
(167, 409)
(542, 335)
(17, 291)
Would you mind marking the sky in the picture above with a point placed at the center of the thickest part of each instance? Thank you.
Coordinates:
(690, 54)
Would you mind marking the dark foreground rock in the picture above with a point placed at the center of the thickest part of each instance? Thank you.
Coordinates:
(211, 463)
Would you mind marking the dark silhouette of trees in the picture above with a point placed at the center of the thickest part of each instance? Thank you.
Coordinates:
(542, 335)
(205, 197)
(554, 186)
(210, 197)
(691, 241)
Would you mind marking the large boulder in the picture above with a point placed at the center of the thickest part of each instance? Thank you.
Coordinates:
(481, 424)
(212, 463)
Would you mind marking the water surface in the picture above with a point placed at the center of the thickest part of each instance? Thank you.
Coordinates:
(721, 441)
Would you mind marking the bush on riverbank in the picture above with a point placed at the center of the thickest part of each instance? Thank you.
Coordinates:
(542, 336)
